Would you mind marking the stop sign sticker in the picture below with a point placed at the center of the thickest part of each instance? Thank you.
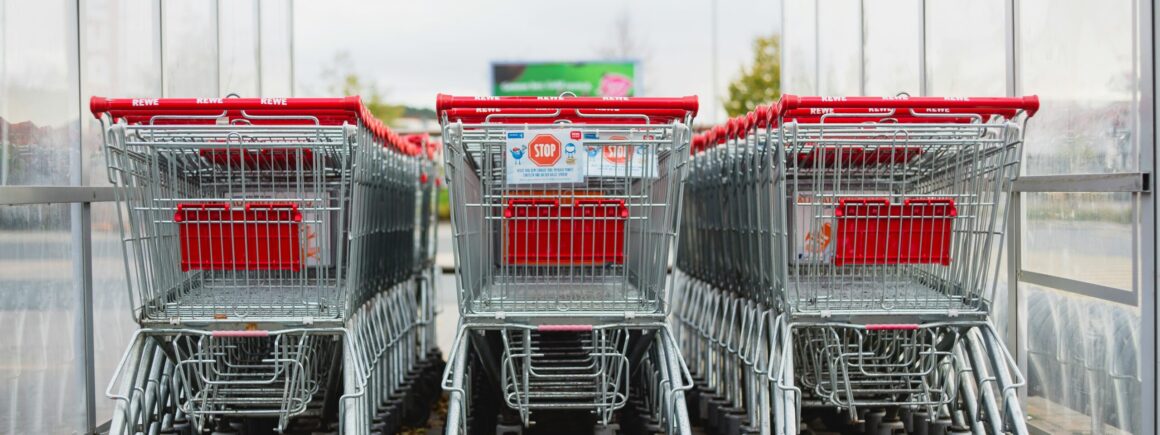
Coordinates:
(617, 154)
(545, 150)
(545, 156)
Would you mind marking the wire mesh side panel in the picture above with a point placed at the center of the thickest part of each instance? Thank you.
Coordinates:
(894, 217)
(259, 222)
(592, 245)
(730, 234)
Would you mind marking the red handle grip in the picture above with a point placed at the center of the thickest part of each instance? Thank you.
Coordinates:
(533, 202)
(271, 206)
(1028, 103)
(445, 102)
(99, 105)
(203, 206)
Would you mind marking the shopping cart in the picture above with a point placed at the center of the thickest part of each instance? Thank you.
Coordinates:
(564, 207)
(869, 226)
(242, 210)
(564, 210)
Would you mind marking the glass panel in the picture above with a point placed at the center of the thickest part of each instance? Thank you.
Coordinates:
(799, 48)
(40, 383)
(1083, 363)
(122, 55)
(965, 48)
(113, 323)
(892, 47)
(238, 30)
(122, 59)
(276, 49)
(38, 92)
(1082, 236)
(1080, 58)
(190, 45)
(838, 47)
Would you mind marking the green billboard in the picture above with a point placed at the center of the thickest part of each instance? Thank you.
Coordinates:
(550, 79)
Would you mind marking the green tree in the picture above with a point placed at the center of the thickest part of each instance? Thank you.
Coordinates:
(760, 82)
(344, 81)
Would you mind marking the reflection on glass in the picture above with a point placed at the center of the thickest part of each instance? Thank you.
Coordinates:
(1083, 359)
(799, 48)
(1079, 57)
(891, 47)
(40, 385)
(191, 48)
(838, 47)
(238, 26)
(38, 92)
(1082, 236)
(122, 56)
(113, 323)
(276, 39)
(965, 53)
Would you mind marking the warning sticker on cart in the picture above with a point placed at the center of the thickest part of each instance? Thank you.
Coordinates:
(545, 156)
(610, 159)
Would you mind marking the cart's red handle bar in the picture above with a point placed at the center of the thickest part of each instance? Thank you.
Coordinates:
(902, 111)
(1030, 103)
(572, 119)
(444, 102)
(580, 116)
(327, 109)
(99, 105)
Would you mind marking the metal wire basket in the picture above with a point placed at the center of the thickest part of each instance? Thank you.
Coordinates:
(564, 206)
(242, 210)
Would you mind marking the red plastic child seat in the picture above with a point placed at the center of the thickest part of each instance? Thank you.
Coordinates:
(262, 236)
(874, 231)
(542, 232)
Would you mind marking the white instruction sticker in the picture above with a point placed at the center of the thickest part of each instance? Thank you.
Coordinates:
(545, 156)
(634, 160)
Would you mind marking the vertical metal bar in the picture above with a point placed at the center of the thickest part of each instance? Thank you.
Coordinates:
(817, 47)
(81, 231)
(161, 51)
(1146, 32)
(258, 44)
(922, 86)
(1010, 46)
(861, 47)
(217, 34)
(1015, 326)
(290, 34)
(713, 52)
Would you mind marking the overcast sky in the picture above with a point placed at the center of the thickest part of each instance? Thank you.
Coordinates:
(415, 49)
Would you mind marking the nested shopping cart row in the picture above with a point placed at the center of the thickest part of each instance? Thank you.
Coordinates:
(564, 211)
(280, 254)
(841, 252)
